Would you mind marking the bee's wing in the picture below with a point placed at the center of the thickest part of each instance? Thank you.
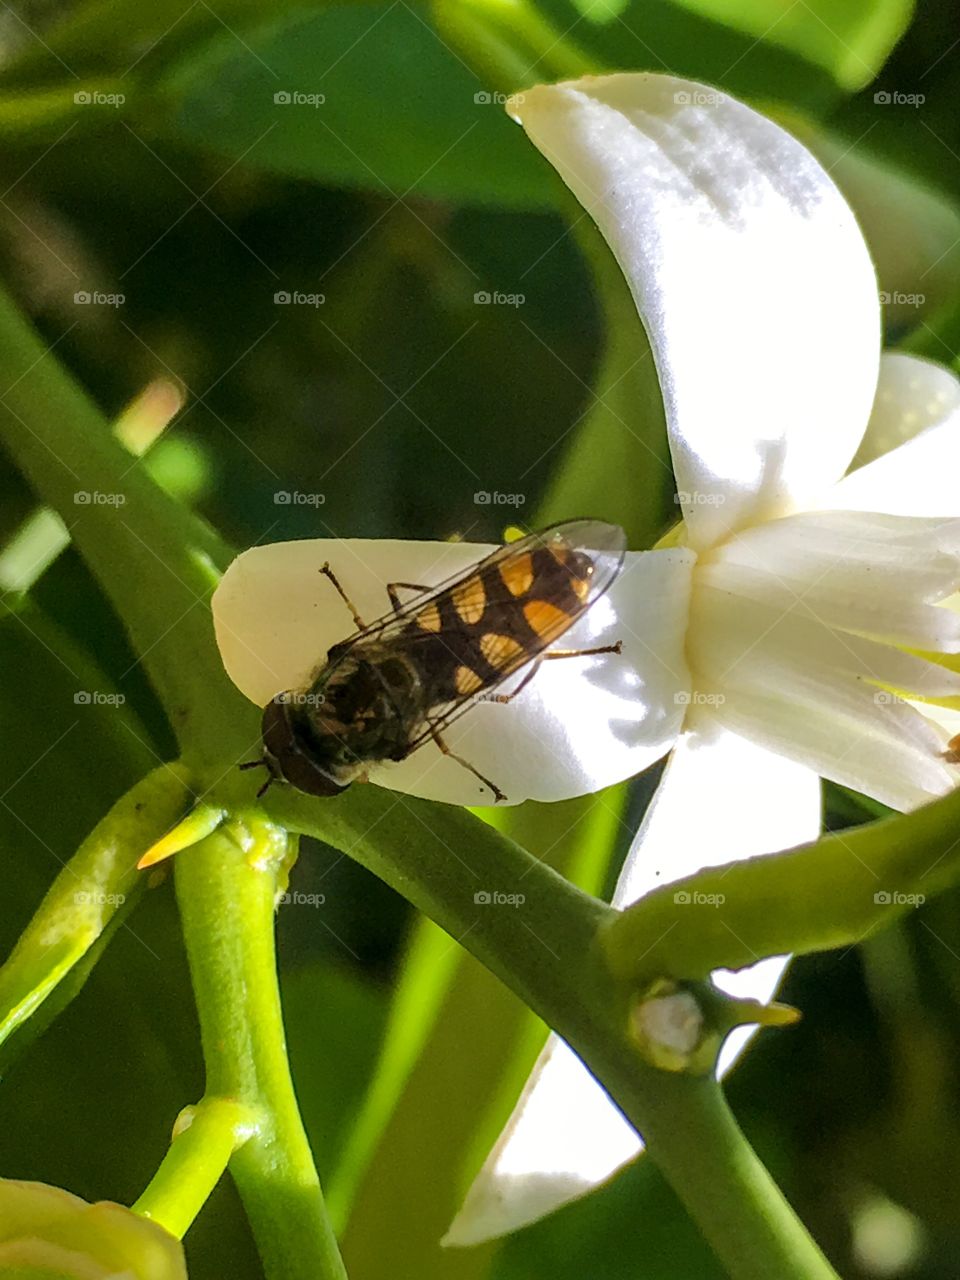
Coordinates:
(603, 544)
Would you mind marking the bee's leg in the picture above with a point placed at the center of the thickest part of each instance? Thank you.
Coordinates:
(497, 793)
(504, 698)
(262, 763)
(583, 653)
(328, 573)
(407, 586)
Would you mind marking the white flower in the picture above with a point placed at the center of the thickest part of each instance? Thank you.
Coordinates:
(768, 648)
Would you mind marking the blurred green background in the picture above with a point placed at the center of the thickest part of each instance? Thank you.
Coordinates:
(192, 229)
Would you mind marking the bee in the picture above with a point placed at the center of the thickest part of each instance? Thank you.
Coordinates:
(399, 682)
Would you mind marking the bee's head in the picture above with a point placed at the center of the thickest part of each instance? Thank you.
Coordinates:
(289, 755)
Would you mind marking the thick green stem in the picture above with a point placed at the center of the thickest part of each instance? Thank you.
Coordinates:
(155, 562)
(546, 950)
(226, 887)
(695, 1140)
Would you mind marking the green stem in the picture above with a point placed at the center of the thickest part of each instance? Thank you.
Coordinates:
(775, 905)
(226, 888)
(546, 951)
(157, 564)
(511, 41)
(694, 1139)
(205, 1138)
(93, 886)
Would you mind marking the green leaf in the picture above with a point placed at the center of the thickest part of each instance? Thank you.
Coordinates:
(399, 114)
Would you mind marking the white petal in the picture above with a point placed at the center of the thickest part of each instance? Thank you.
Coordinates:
(751, 277)
(816, 695)
(565, 1136)
(875, 575)
(581, 723)
(912, 395)
(909, 461)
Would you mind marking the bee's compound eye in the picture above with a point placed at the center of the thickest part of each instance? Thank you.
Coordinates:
(291, 757)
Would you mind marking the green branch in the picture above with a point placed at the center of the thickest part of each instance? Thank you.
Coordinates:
(828, 894)
(157, 564)
(204, 1139)
(545, 949)
(94, 887)
(226, 888)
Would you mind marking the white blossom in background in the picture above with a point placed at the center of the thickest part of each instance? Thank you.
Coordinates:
(767, 649)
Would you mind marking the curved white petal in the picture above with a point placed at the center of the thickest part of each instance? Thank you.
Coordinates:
(873, 575)
(794, 634)
(581, 723)
(721, 799)
(750, 275)
(909, 460)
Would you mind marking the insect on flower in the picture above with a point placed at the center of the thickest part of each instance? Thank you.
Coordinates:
(400, 681)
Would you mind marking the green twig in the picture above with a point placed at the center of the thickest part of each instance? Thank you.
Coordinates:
(205, 1137)
(828, 894)
(226, 888)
